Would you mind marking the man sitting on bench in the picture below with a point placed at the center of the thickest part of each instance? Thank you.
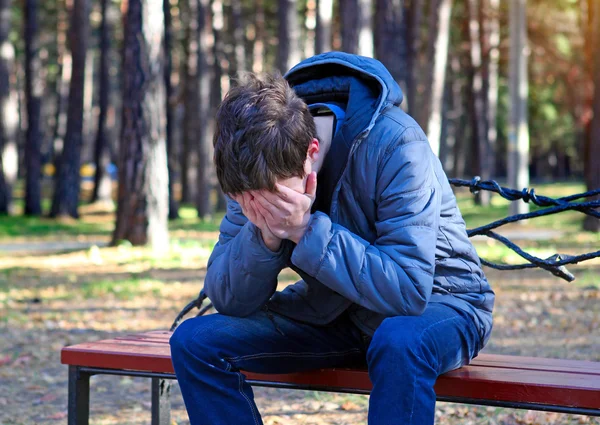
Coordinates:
(390, 280)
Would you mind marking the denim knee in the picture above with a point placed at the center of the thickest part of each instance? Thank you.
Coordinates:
(392, 339)
(401, 344)
(182, 336)
(194, 336)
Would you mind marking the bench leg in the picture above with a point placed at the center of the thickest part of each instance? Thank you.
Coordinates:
(161, 402)
(79, 397)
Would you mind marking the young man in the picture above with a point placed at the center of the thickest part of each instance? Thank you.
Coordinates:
(389, 277)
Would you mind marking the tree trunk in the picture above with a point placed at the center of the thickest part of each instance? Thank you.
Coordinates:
(518, 138)
(34, 88)
(65, 66)
(414, 15)
(309, 30)
(170, 105)
(102, 181)
(221, 67)
(438, 80)
(458, 115)
(357, 29)
(391, 42)
(450, 117)
(592, 224)
(67, 181)
(323, 26)
(143, 176)
(238, 64)
(204, 141)
(478, 107)
(425, 60)
(493, 20)
(9, 117)
(258, 45)
(288, 53)
(191, 129)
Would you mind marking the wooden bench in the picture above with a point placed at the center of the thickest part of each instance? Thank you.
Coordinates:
(566, 386)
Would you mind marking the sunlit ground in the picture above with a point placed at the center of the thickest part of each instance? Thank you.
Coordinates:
(53, 294)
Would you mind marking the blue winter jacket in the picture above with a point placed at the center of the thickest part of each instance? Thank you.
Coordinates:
(394, 239)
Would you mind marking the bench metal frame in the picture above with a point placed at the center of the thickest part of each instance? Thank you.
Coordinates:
(79, 395)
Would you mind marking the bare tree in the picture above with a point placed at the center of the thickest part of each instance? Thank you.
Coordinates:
(9, 118)
(518, 138)
(67, 181)
(102, 181)
(288, 53)
(34, 89)
(143, 176)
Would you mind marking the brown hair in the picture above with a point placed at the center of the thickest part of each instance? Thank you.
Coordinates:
(262, 133)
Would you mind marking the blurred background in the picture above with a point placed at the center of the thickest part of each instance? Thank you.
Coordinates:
(504, 90)
(106, 118)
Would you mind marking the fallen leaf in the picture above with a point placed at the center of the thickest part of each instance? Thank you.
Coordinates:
(58, 415)
(21, 360)
(5, 360)
(48, 397)
(349, 405)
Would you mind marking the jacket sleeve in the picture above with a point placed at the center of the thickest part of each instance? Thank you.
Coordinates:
(394, 274)
(242, 271)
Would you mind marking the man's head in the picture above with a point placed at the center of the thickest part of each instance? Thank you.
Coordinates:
(264, 134)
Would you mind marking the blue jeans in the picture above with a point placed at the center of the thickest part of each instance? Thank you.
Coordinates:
(404, 357)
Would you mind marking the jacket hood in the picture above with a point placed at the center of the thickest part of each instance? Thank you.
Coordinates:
(340, 63)
(363, 84)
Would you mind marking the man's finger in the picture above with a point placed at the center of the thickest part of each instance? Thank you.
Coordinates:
(286, 194)
(262, 210)
(272, 198)
(262, 201)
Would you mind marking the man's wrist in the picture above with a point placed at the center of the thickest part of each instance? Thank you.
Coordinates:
(299, 234)
(272, 243)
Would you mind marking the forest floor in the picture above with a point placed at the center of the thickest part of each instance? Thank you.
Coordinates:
(61, 285)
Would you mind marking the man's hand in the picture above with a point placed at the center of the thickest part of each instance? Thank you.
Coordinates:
(249, 208)
(287, 212)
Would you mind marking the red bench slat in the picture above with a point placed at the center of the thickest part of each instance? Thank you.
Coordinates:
(490, 376)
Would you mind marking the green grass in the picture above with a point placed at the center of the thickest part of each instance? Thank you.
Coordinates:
(41, 227)
(476, 215)
(588, 279)
(88, 225)
(188, 221)
(498, 253)
(123, 289)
